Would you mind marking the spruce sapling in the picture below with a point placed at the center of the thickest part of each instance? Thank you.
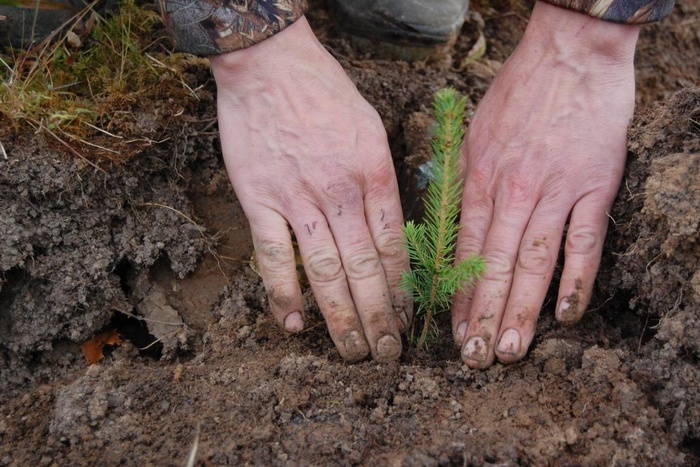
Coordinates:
(434, 277)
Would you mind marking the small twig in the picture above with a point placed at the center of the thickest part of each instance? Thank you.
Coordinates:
(632, 195)
(146, 140)
(160, 339)
(103, 131)
(72, 149)
(2, 149)
(12, 72)
(200, 229)
(147, 320)
(176, 211)
(611, 218)
(696, 122)
(88, 143)
(646, 269)
(192, 458)
(163, 65)
(310, 328)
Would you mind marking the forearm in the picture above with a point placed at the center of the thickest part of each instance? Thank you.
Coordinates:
(212, 27)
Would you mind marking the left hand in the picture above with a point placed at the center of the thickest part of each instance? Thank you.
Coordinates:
(547, 144)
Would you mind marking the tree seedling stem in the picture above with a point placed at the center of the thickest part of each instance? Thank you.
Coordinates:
(434, 276)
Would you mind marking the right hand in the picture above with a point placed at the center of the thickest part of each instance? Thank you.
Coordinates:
(304, 149)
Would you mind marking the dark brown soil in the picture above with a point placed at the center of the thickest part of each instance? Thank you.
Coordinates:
(158, 248)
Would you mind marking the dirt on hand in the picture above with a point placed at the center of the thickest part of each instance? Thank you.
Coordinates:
(158, 248)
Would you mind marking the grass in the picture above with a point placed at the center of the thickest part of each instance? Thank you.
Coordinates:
(90, 89)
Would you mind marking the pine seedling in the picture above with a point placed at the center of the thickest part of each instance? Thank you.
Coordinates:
(434, 277)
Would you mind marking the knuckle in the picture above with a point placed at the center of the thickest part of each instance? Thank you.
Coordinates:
(535, 258)
(582, 240)
(390, 244)
(344, 190)
(467, 247)
(324, 266)
(363, 264)
(381, 180)
(499, 266)
(274, 256)
(518, 188)
(479, 178)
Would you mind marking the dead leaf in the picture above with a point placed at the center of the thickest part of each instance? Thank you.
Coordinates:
(73, 39)
(92, 349)
(475, 53)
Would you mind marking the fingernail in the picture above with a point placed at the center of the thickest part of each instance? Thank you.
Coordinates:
(510, 342)
(564, 305)
(388, 349)
(293, 322)
(475, 349)
(461, 332)
(568, 312)
(355, 346)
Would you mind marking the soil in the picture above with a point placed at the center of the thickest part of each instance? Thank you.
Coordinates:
(158, 248)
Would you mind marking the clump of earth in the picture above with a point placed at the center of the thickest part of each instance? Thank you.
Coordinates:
(158, 249)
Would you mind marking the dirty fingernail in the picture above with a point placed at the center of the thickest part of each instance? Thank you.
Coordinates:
(461, 333)
(388, 348)
(355, 346)
(475, 349)
(293, 322)
(568, 312)
(510, 342)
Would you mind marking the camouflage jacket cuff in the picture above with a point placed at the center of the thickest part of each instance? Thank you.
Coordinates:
(620, 11)
(213, 27)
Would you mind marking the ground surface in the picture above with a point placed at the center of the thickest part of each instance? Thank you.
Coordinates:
(82, 251)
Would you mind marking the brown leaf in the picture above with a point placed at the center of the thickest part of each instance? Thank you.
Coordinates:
(92, 349)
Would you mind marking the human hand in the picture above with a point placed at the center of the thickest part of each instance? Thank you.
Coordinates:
(304, 149)
(547, 144)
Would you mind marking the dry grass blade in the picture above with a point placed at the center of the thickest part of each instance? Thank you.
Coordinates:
(192, 458)
(210, 247)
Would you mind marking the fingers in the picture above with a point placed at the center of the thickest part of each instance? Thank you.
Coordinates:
(491, 294)
(583, 250)
(505, 305)
(324, 269)
(348, 280)
(277, 264)
(385, 221)
(363, 266)
(534, 267)
(477, 211)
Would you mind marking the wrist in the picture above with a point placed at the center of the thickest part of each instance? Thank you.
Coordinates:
(574, 35)
(271, 58)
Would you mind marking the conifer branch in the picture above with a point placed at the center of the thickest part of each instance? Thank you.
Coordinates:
(434, 278)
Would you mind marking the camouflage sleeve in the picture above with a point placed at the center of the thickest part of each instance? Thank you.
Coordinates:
(620, 11)
(213, 27)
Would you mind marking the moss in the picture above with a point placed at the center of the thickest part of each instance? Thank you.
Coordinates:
(92, 91)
